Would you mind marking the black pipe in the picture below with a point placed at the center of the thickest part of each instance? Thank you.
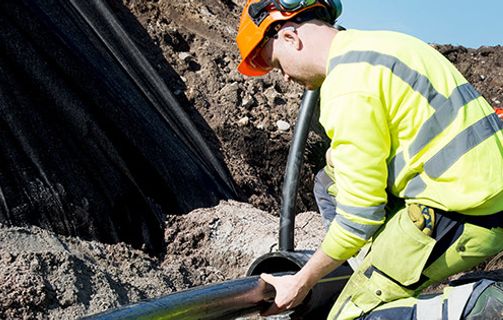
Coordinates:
(226, 300)
(293, 167)
(236, 298)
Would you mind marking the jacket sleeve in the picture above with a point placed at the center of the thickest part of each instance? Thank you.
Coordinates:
(357, 124)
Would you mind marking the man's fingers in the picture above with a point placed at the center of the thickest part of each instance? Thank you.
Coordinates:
(272, 310)
(277, 306)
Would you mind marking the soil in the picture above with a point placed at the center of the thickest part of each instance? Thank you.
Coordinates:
(47, 276)
(44, 275)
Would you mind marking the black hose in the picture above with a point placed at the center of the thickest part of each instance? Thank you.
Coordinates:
(234, 298)
(226, 300)
(293, 167)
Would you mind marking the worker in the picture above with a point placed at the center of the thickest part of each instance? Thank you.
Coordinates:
(415, 165)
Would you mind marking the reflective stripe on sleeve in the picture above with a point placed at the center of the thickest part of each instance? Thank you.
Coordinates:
(362, 231)
(415, 186)
(461, 144)
(376, 213)
(443, 117)
(453, 151)
(395, 166)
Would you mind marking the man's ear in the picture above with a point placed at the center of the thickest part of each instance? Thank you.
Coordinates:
(291, 38)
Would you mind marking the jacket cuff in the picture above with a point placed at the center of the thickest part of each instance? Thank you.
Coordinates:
(340, 244)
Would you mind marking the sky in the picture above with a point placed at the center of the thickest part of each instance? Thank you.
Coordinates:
(459, 22)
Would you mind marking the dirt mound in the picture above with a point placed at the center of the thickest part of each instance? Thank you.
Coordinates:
(43, 275)
(47, 276)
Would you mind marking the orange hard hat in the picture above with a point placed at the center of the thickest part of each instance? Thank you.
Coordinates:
(256, 20)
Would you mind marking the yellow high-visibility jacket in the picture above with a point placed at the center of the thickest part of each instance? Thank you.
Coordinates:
(402, 119)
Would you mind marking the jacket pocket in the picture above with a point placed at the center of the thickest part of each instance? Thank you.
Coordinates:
(401, 250)
(477, 243)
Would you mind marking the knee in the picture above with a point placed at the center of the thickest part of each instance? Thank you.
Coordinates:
(325, 202)
(321, 183)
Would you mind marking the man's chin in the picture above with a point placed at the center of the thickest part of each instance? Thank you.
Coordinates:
(304, 83)
(311, 86)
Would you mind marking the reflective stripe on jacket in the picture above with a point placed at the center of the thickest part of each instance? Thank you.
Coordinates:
(402, 119)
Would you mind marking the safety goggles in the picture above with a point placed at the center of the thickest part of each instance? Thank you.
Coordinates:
(258, 11)
(292, 5)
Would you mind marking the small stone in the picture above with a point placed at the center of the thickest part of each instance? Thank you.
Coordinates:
(247, 101)
(282, 125)
(232, 93)
(185, 56)
(205, 11)
(243, 121)
(482, 77)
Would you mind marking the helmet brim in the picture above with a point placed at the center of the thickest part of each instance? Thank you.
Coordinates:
(249, 70)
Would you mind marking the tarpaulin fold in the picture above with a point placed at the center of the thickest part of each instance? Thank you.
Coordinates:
(92, 142)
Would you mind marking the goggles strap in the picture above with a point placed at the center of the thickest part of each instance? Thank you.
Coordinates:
(258, 12)
(300, 5)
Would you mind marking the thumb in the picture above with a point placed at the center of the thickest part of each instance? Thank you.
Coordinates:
(269, 278)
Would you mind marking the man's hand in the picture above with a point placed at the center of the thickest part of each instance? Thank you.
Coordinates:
(290, 292)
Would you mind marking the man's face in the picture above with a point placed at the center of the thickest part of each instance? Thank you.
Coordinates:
(286, 53)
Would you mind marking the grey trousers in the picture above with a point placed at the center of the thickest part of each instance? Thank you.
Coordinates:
(326, 203)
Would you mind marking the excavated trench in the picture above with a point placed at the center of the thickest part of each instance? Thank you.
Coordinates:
(44, 274)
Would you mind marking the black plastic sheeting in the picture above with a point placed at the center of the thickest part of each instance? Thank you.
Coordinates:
(92, 142)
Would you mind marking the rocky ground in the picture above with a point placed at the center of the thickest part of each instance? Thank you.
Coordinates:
(43, 275)
(46, 276)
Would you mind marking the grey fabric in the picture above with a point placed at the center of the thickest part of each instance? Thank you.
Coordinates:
(326, 203)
